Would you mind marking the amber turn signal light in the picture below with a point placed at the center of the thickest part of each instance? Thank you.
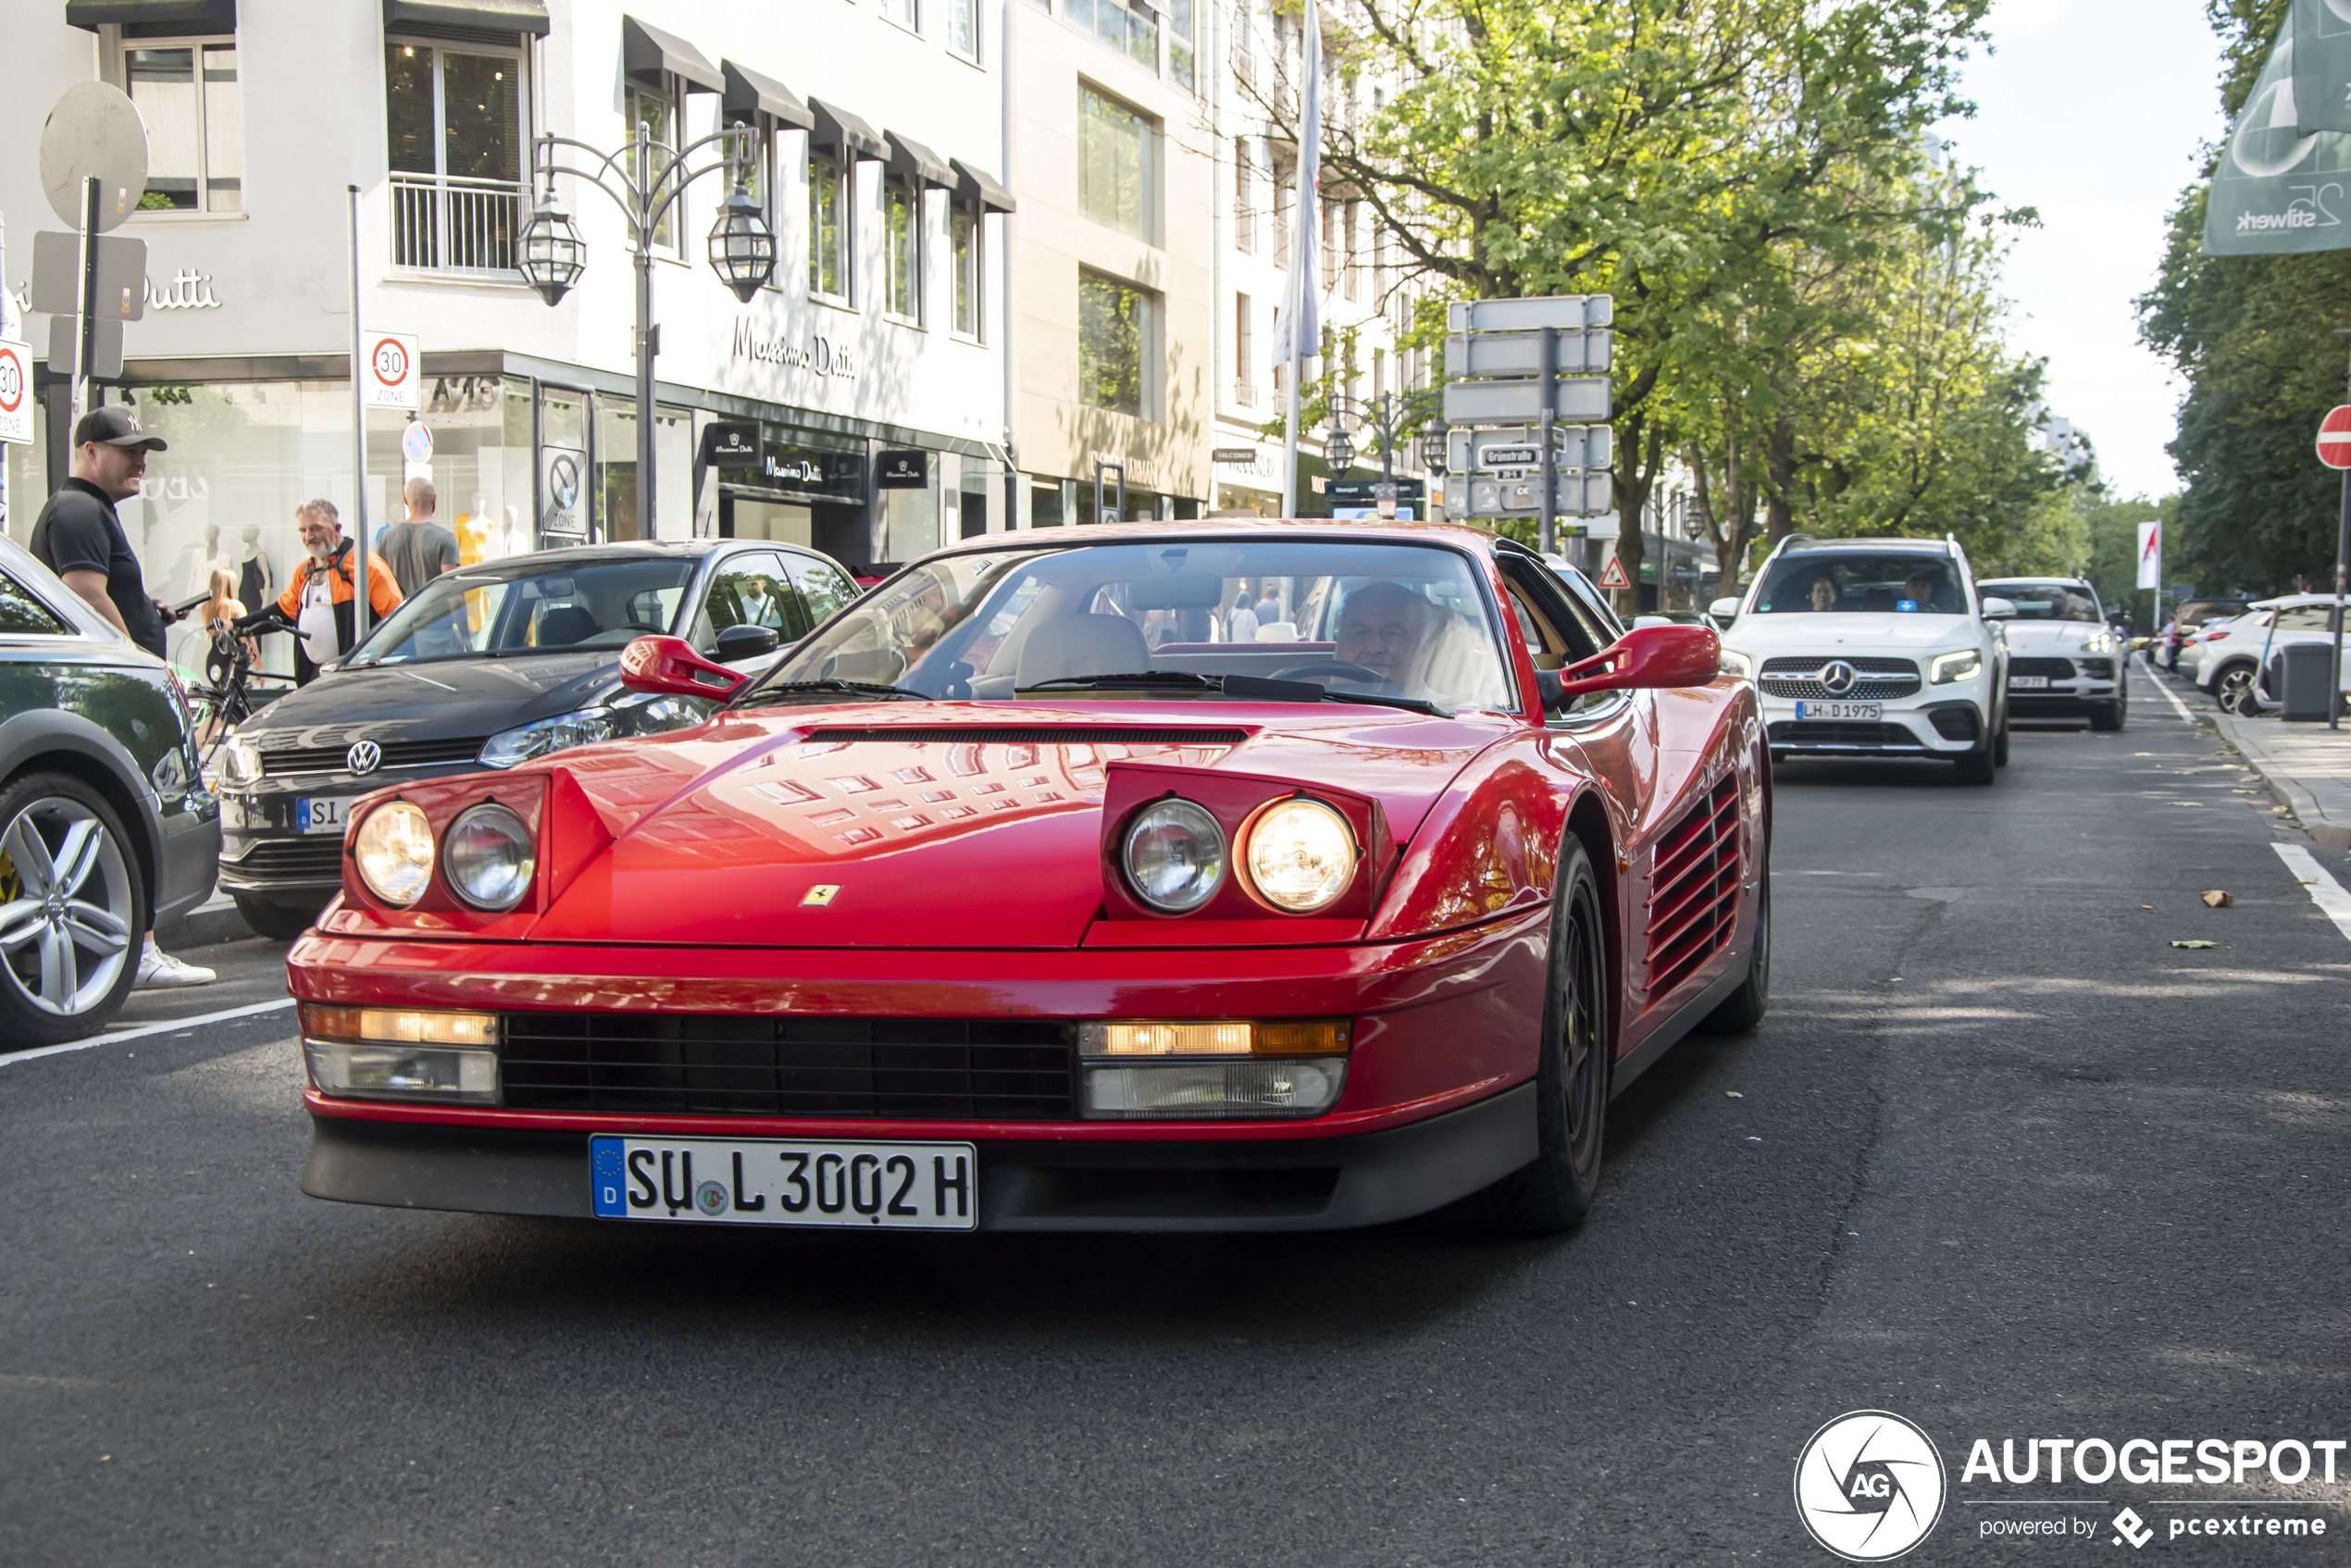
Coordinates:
(1222, 1037)
(399, 1025)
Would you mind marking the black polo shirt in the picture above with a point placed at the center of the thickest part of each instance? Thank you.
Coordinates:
(78, 531)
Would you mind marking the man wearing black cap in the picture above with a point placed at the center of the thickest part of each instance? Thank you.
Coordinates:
(79, 536)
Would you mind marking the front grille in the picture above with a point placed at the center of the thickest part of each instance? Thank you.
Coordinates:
(396, 754)
(2055, 669)
(1797, 675)
(947, 1069)
(1818, 732)
(1694, 886)
(315, 859)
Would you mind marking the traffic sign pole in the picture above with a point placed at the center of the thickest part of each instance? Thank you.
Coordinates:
(85, 340)
(361, 603)
(1549, 535)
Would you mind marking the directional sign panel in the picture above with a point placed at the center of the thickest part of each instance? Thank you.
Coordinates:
(105, 346)
(1520, 402)
(1515, 447)
(1567, 312)
(1581, 492)
(1520, 354)
(122, 275)
(15, 391)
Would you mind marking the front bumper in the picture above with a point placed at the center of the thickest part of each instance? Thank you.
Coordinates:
(1024, 1184)
(1937, 726)
(2076, 687)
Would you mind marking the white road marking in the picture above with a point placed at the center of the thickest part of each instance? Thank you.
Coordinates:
(2169, 695)
(226, 1015)
(2325, 892)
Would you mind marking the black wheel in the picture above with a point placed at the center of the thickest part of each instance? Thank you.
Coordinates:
(1570, 1077)
(73, 911)
(1977, 766)
(2234, 691)
(2110, 717)
(2000, 742)
(276, 921)
(1744, 1008)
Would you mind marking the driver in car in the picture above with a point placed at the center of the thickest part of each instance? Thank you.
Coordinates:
(1383, 628)
(1924, 589)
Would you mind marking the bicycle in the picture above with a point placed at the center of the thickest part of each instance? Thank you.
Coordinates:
(227, 697)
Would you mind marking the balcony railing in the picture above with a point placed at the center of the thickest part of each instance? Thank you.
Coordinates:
(455, 225)
(1245, 394)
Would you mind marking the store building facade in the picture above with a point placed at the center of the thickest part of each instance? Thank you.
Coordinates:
(873, 365)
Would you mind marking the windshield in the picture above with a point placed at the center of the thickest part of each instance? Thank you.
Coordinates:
(532, 604)
(2043, 600)
(1380, 620)
(1880, 580)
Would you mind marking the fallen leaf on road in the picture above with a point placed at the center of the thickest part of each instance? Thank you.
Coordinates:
(2196, 944)
(1733, 1094)
(2215, 898)
(2187, 802)
(2146, 906)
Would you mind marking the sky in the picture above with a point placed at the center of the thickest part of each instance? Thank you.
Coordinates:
(2093, 111)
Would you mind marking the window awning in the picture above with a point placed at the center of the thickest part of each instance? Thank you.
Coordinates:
(647, 53)
(486, 16)
(917, 164)
(977, 186)
(748, 94)
(844, 135)
(213, 15)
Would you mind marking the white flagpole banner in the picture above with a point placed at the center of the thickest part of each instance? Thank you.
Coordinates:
(2151, 554)
(1298, 324)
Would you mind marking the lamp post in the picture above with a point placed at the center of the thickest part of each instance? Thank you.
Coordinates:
(646, 182)
(1390, 415)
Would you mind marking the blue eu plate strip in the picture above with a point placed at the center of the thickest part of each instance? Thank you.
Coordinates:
(608, 1179)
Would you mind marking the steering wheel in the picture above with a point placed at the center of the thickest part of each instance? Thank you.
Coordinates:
(1308, 669)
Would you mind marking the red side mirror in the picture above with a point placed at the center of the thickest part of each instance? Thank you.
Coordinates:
(670, 666)
(1645, 658)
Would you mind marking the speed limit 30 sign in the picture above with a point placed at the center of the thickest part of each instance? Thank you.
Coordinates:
(15, 391)
(389, 379)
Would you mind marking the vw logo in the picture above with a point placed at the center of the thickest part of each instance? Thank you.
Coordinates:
(1837, 678)
(365, 756)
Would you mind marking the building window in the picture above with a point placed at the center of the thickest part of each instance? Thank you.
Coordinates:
(902, 246)
(189, 97)
(456, 143)
(962, 238)
(963, 28)
(830, 231)
(657, 112)
(1244, 353)
(905, 13)
(1113, 165)
(1113, 327)
(1285, 197)
(1179, 42)
(1354, 265)
(1131, 27)
(1243, 198)
(1328, 213)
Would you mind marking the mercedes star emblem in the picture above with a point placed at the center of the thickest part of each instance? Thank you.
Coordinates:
(365, 756)
(1837, 678)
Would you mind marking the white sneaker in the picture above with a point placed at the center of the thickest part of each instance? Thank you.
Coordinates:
(160, 971)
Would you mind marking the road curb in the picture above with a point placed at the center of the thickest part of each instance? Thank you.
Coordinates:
(2282, 788)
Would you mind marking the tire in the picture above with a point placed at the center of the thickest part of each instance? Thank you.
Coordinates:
(65, 964)
(1977, 766)
(2110, 717)
(276, 921)
(1742, 1009)
(2000, 742)
(1555, 1191)
(2234, 691)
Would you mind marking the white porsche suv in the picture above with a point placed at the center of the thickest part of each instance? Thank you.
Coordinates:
(1874, 647)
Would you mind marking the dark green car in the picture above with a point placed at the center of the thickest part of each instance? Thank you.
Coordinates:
(105, 825)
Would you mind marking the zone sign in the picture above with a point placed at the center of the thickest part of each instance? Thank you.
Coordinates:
(390, 377)
(15, 391)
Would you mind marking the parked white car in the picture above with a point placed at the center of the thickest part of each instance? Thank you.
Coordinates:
(2064, 660)
(2229, 658)
(1874, 647)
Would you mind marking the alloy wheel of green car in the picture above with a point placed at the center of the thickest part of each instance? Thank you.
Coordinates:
(69, 924)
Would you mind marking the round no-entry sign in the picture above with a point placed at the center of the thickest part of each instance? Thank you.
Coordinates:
(2334, 437)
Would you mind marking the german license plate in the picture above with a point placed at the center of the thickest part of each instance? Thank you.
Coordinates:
(1866, 711)
(787, 1181)
(2028, 683)
(322, 813)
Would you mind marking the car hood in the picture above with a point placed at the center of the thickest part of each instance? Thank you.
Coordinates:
(1858, 633)
(444, 700)
(940, 825)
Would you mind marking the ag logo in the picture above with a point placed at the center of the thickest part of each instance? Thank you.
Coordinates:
(1869, 1485)
(1837, 678)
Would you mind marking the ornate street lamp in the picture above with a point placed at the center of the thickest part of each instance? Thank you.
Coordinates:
(1338, 448)
(646, 183)
(1433, 453)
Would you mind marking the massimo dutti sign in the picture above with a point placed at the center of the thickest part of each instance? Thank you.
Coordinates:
(820, 355)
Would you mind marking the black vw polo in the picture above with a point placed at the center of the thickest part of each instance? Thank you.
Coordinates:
(489, 667)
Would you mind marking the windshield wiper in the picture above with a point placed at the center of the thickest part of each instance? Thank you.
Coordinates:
(1240, 688)
(853, 688)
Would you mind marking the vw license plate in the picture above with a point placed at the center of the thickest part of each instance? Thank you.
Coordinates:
(785, 1181)
(1866, 711)
(320, 814)
(2028, 683)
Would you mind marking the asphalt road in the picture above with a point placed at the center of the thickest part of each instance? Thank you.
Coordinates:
(2001, 1160)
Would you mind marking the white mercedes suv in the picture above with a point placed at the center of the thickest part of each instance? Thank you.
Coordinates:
(1874, 647)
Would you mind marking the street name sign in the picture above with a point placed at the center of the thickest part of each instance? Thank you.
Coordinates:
(391, 376)
(1582, 352)
(2334, 437)
(15, 391)
(1566, 313)
(1509, 448)
(1519, 401)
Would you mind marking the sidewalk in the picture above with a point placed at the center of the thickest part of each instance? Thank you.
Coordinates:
(2306, 766)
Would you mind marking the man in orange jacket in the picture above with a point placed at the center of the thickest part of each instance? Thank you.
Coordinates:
(318, 602)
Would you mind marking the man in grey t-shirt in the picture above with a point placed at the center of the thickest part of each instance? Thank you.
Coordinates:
(419, 549)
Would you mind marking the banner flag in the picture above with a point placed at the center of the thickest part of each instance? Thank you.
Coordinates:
(2321, 34)
(2278, 189)
(1301, 310)
(2151, 554)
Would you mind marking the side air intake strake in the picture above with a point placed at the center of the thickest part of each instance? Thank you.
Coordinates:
(1693, 888)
